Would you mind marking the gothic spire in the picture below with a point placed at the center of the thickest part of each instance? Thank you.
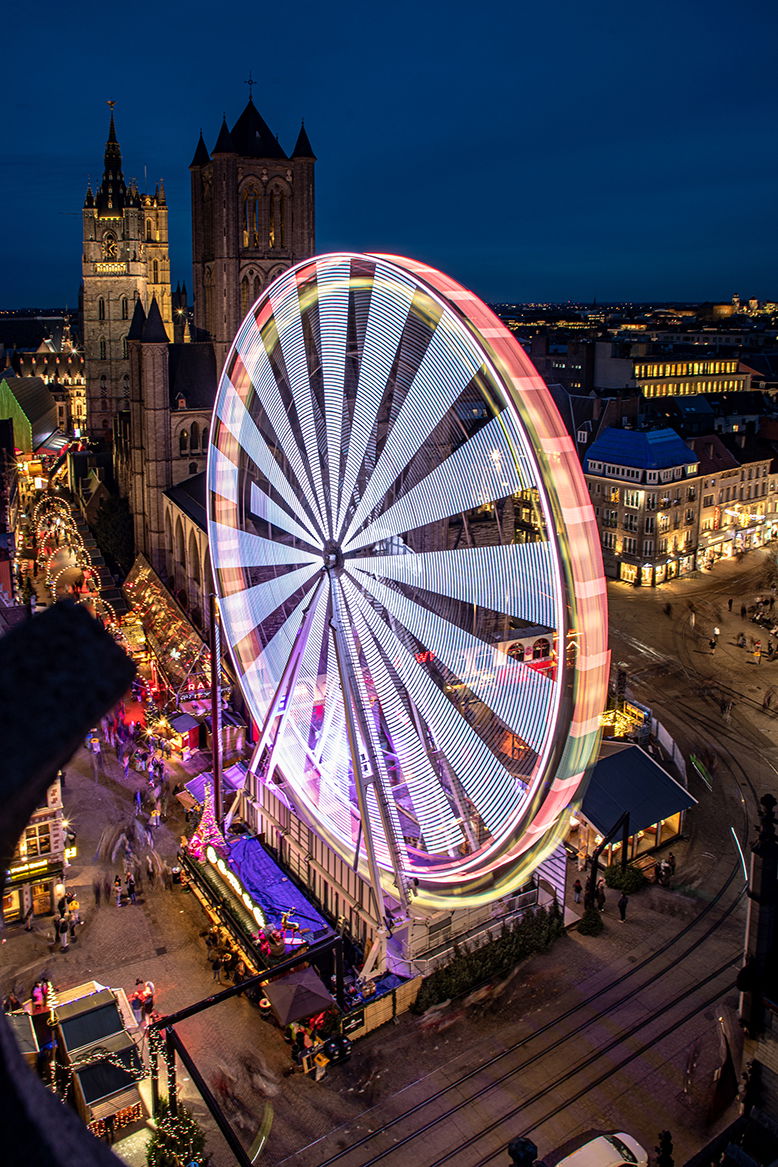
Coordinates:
(201, 155)
(111, 193)
(303, 147)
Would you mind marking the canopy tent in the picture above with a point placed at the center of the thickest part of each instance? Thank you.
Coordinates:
(300, 994)
(626, 778)
(233, 780)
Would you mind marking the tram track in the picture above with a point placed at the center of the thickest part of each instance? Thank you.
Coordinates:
(598, 995)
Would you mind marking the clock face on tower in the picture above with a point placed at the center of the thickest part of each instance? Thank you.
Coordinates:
(109, 246)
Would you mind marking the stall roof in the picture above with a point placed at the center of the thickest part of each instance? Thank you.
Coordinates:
(101, 1078)
(300, 994)
(86, 1021)
(627, 778)
(24, 1031)
(233, 779)
(183, 722)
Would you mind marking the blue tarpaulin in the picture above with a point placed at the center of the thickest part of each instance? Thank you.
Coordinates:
(274, 891)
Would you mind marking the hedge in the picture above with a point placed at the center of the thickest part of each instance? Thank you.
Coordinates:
(471, 966)
(628, 879)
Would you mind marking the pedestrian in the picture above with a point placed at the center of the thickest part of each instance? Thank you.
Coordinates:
(729, 603)
(692, 618)
(138, 801)
(117, 891)
(577, 889)
(64, 933)
(622, 906)
(758, 654)
(107, 889)
(600, 895)
(671, 863)
(743, 612)
(126, 762)
(28, 919)
(131, 888)
(741, 640)
(150, 872)
(136, 1000)
(716, 633)
(97, 891)
(712, 645)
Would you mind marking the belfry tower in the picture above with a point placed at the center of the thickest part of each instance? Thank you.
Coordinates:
(252, 217)
(125, 258)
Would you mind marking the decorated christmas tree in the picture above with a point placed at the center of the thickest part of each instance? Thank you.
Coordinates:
(207, 833)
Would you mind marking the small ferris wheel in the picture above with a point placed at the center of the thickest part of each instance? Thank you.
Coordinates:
(393, 507)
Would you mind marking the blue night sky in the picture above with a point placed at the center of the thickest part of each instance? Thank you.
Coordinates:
(547, 152)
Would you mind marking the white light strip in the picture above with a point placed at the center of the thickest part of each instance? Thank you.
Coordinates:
(333, 286)
(263, 674)
(252, 353)
(224, 476)
(242, 549)
(517, 579)
(235, 417)
(263, 507)
(244, 611)
(286, 312)
(447, 367)
(493, 790)
(436, 819)
(487, 467)
(390, 302)
(519, 695)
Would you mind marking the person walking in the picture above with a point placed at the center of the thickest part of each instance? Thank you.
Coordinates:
(577, 890)
(117, 891)
(692, 618)
(131, 888)
(712, 645)
(600, 895)
(622, 906)
(28, 919)
(743, 611)
(138, 801)
(97, 891)
(63, 928)
(671, 863)
(729, 603)
(150, 872)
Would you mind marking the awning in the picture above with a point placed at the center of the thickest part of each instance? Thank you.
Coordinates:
(627, 778)
(183, 722)
(301, 994)
(233, 779)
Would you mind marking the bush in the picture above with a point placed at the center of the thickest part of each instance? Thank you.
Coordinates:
(591, 923)
(175, 1141)
(470, 967)
(628, 879)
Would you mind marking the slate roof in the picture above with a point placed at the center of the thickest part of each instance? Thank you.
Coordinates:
(713, 454)
(137, 322)
(192, 372)
(252, 137)
(627, 778)
(154, 329)
(303, 147)
(641, 449)
(189, 496)
(201, 155)
(224, 141)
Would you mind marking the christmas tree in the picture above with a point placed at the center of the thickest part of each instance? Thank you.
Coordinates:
(207, 833)
(176, 1141)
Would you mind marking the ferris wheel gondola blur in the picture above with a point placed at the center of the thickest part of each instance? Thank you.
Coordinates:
(393, 502)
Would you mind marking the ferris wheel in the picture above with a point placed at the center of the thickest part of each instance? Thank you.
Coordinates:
(395, 514)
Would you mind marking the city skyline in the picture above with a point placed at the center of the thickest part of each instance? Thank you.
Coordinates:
(584, 157)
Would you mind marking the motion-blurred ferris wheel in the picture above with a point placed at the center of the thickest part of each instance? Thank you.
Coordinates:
(394, 504)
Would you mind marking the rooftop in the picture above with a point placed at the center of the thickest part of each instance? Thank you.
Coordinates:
(642, 449)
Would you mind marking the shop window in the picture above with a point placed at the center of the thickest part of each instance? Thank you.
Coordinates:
(38, 840)
(12, 905)
(41, 897)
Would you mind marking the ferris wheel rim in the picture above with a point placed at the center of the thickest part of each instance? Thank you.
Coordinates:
(313, 515)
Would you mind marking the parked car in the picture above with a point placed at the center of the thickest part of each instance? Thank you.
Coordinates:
(616, 1150)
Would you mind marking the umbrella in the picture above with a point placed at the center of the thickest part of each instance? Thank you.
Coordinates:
(300, 994)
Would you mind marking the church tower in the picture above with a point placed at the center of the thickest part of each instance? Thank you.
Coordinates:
(125, 258)
(252, 218)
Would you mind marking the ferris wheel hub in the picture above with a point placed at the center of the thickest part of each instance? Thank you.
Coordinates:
(333, 556)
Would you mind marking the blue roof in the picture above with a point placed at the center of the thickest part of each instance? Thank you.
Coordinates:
(641, 449)
(629, 779)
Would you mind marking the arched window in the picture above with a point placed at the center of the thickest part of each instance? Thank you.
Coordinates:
(282, 220)
(101, 309)
(271, 219)
(125, 349)
(204, 439)
(180, 549)
(192, 467)
(102, 349)
(251, 217)
(183, 443)
(257, 288)
(125, 308)
(155, 272)
(149, 236)
(244, 295)
(194, 438)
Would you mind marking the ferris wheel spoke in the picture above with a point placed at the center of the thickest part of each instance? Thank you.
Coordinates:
(286, 310)
(516, 579)
(519, 695)
(224, 476)
(254, 356)
(446, 369)
(487, 467)
(245, 610)
(334, 794)
(332, 278)
(264, 670)
(246, 550)
(390, 303)
(237, 420)
(492, 789)
(263, 507)
(437, 821)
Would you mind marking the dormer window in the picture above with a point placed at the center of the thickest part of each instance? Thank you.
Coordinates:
(180, 401)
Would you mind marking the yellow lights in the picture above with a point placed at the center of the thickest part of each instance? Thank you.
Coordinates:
(235, 885)
(71, 852)
(33, 865)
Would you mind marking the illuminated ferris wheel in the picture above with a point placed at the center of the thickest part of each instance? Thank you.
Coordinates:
(395, 513)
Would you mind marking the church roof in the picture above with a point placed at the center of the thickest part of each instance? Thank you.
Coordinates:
(252, 137)
(192, 374)
(224, 141)
(303, 147)
(137, 322)
(189, 496)
(154, 329)
(112, 191)
(201, 155)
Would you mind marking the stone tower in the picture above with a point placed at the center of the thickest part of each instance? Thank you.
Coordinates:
(252, 217)
(125, 258)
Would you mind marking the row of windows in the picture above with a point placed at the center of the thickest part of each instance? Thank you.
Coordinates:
(684, 368)
(688, 388)
(104, 348)
(272, 209)
(193, 441)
